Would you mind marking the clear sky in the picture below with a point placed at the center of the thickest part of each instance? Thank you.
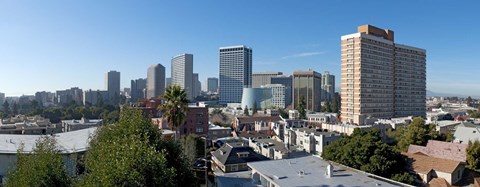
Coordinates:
(52, 45)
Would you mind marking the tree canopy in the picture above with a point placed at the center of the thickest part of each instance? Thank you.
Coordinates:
(364, 150)
(417, 133)
(175, 107)
(43, 167)
(132, 153)
(301, 108)
(473, 155)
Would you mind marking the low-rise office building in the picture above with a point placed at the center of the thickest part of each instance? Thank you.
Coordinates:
(70, 144)
(22, 124)
(312, 171)
(73, 125)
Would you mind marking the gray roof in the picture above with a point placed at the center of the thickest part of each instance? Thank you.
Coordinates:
(279, 146)
(316, 133)
(230, 150)
(465, 134)
(286, 173)
(68, 142)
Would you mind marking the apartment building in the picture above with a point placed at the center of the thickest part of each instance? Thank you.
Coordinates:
(379, 78)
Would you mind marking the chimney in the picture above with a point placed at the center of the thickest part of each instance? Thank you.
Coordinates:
(329, 170)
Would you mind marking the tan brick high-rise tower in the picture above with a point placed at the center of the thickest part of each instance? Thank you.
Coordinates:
(379, 78)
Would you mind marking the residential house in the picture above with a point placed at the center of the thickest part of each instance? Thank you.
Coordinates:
(311, 140)
(438, 160)
(234, 156)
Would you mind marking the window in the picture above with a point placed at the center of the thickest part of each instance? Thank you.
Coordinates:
(199, 129)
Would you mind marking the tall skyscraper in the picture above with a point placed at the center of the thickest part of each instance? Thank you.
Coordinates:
(155, 81)
(381, 79)
(212, 84)
(168, 82)
(328, 86)
(235, 72)
(263, 78)
(307, 84)
(137, 89)
(196, 85)
(182, 73)
(287, 82)
(112, 84)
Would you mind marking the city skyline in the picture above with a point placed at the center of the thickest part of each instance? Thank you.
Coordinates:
(56, 46)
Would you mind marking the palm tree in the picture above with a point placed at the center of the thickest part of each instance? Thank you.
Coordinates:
(175, 106)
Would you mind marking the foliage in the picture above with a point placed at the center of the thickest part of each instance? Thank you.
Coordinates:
(6, 109)
(245, 111)
(404, 177)
(439, 105)
(15, 108)
(254, 108)
(326, 107)
(364, 150)
(283, 113)
(132, 153)
(417, 133)
(473, 155)
(189, 146)
(43, 167)
(175, 107)
(474, 114)
(301, 108)
(335, 105)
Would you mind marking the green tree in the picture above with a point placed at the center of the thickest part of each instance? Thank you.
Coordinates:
(404, 177)
(245, 111)
(175, 106)
(189, 146)
(283, 113)
(469, 101)
(473, 155)
(6, 108)
(132, 153)
(15, 108)
(301, 108)
(43, 167)
(335, 105)
(254, 108)
(326, 107)
(417, 133)
(439, 105)
(364, 150)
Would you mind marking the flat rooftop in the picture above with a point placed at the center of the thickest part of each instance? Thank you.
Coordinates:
(286, 173)
(67, 142)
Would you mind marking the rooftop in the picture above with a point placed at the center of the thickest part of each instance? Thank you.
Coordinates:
(423, 163)
(228, 154)
(310, 171)
(443, 150)
(67, 142)
(279, 146)
(253, 119)
(315, 132)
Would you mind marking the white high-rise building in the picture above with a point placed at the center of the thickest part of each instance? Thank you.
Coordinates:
(235, 72)
(155, 81)
(278, 94)
(182, 73)
(112, 84)
(328, 86)
(196, 85)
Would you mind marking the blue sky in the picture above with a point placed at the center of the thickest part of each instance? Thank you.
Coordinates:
(51, 45)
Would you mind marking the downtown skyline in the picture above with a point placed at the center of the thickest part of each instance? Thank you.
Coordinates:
(53, 46)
